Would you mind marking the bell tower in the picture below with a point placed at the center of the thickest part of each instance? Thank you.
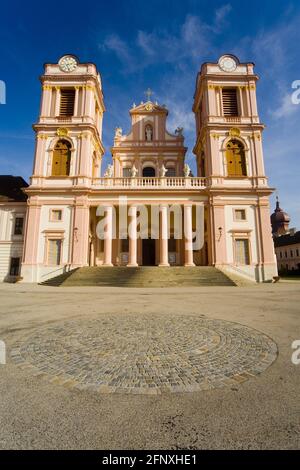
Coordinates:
(69, 146)
(229, 131)
(229, 154)
(67, 159)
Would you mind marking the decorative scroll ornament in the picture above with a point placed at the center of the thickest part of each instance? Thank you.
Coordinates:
(234, 132)
(62, 131)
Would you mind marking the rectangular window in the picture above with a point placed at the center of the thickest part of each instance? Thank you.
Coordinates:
(242, 255)
(126, 172)
(291, 251)
(230, 102)
(240, 214)
(67, 100)
(297, 252)
(19, 222)
(54, 252)
(56, 215)
(14, 267)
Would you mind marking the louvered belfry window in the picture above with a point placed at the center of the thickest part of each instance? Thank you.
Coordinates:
(67, 99)
(230, 104)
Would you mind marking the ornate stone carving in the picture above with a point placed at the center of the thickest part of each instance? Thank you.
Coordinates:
(234, 132)
(62, 131)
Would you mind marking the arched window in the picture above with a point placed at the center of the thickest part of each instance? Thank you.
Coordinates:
(235, 158)
(148, 171)
(148, 133)
(61, 158)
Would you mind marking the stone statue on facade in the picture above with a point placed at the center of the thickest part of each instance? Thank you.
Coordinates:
(163, 171)
(186, 170)
(179, 131)
(109, 171)
(118, 132)
(148, 133)
(134, 171)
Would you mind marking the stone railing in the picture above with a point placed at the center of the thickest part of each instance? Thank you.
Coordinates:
(149, 182)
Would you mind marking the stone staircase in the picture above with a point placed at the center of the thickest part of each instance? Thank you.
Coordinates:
(142, 276)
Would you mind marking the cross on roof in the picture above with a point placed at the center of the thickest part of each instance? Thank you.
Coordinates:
(148, 93)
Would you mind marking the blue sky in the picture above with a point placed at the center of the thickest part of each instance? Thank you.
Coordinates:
(158, 44)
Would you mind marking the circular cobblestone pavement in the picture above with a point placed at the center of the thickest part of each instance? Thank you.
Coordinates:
(146, 353)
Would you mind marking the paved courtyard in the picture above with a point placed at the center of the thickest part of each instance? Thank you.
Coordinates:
(142, 354)
(150, 368)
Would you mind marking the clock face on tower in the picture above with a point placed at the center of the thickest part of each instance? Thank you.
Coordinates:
(227, 63)
(67, 63)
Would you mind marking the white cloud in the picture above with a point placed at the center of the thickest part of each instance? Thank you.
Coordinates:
(194, 39)
(221, 16)
(286, 107)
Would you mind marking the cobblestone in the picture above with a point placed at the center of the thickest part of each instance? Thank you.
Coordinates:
(147, 354)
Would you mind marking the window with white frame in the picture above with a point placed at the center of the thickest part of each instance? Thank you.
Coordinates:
(239, 214)
(242, 251)
(54, 252)
(19, 223)
(56, 215)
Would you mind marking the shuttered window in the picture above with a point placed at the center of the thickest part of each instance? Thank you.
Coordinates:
(242, 255)
(230, 104)
(67, 99)
(54, 252)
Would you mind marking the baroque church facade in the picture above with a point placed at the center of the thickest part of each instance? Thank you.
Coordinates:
(68, 184)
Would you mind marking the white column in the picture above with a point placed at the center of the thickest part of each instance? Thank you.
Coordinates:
(46, 100)
(76, 101)
(57, 100)
(188, 234)
(132, 233)
(164, 261)
(108, 237)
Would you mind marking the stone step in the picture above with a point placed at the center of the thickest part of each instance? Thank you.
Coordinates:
(142, 276)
